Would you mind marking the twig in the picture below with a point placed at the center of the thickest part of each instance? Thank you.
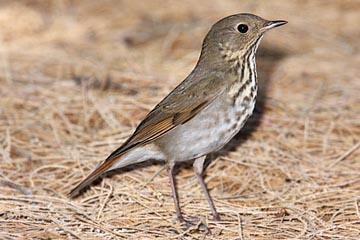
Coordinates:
(345, 155)
(23, 190)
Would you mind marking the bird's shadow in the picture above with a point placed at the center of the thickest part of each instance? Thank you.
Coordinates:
(267, 59)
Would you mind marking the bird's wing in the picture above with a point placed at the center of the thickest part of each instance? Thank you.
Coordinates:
(180, 106)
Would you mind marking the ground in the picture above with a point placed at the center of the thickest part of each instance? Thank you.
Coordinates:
(76, 77)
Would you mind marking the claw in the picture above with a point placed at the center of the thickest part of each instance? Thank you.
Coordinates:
(194, 225)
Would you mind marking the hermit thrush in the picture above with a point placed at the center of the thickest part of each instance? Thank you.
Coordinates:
(205, 111)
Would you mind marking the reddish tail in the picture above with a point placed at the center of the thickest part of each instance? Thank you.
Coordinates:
(105, 166)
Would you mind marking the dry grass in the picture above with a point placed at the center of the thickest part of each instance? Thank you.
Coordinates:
(77, 76)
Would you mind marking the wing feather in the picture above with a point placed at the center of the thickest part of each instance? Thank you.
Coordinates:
(180, 106)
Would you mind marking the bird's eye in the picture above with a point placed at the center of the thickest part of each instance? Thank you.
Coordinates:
(243, 28)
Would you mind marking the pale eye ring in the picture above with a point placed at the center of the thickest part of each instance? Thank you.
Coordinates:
(242, 28)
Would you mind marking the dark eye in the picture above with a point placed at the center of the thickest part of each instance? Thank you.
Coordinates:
(243, 28)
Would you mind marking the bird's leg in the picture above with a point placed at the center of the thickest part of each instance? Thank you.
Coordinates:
(198, 168)
(179, 216)
(170, 168)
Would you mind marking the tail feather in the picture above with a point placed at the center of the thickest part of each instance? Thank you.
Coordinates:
(121, 157)
(105, 166)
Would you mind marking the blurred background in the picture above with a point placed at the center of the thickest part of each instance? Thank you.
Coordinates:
(76, 77)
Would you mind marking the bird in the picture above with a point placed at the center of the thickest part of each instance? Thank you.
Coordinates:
(204, 112)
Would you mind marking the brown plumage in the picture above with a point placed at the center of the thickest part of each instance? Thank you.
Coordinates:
(204, 111)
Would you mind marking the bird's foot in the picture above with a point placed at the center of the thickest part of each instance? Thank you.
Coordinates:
(194, 224)
(217, 218)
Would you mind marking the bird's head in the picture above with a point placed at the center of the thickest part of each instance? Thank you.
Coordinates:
(235, 35)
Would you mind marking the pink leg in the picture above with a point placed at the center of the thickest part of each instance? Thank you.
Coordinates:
(198, 167)
(174, 193)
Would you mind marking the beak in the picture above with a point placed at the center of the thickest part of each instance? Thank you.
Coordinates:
(273, 24)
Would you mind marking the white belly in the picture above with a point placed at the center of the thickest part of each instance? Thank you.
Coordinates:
(207, 132)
